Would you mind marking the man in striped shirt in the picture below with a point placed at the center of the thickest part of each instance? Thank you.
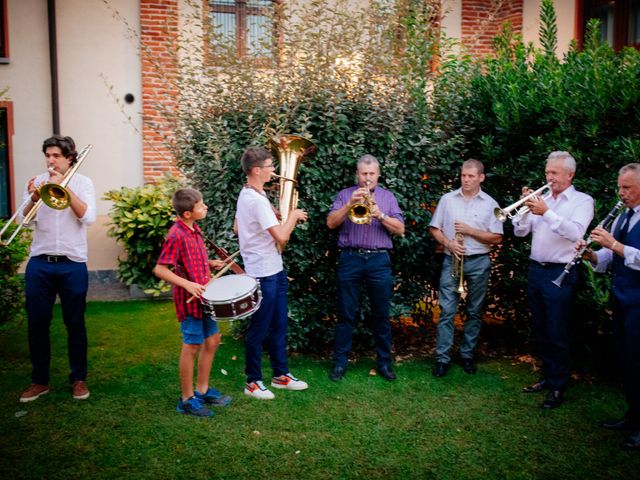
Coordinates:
(364, 259)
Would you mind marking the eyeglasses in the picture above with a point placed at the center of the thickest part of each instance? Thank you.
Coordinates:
(266, 166)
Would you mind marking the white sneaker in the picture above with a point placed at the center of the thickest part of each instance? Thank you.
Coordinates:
(258, 390)
(288, 382)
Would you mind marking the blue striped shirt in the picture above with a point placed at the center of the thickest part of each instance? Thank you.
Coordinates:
(373, 235)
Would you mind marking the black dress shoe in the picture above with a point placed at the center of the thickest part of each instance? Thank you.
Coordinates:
(386, 372)
(468, 366)
(536, 387)
(619, 424)
(632, 442)
(554, 399)
(440, 370)
(337, 373)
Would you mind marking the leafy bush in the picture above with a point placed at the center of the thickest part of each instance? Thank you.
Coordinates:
(140, 220)
(11, 283)
(365, 81)
(526, 104)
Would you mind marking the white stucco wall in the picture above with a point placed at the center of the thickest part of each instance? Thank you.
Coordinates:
(91, 44)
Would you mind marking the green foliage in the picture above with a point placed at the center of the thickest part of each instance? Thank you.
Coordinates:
(140, 219)
(361, 86)
(548, 28)
(11, 283)
(367, 81)
(525, 105)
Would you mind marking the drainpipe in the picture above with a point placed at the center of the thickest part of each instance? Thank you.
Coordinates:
(53, 65)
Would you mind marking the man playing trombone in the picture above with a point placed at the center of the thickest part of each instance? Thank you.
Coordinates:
(57, 266)
(621, 252)
(556, 223)
(464, 224)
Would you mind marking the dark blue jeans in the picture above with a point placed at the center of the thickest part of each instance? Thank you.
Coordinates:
(44, 281)
(374, 271)
(551, 308)
(268, 323)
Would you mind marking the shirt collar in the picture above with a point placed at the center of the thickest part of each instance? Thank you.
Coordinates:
(183, 226)
(481, 195)
(568, 192)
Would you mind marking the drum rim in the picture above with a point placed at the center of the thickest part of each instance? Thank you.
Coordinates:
(246, 294)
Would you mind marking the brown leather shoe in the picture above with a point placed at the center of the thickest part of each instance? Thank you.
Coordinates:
(33, 392)
(80, 390)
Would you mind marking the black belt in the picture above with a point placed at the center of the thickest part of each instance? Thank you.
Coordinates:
(54, 258)
(475, 255)
(547, 264)
(365, 251)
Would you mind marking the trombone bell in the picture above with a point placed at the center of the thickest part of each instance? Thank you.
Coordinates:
(55, 196)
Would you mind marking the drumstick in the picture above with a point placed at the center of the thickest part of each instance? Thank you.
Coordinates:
(223, 270)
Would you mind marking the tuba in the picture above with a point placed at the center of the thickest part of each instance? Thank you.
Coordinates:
(289, 150)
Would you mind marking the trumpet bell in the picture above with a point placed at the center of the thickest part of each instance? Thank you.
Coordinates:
(55, 196)
(360, 214)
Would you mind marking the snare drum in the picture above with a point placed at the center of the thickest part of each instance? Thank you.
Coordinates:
(232, 297)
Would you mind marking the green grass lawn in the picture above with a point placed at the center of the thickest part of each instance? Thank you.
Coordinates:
(457, 427)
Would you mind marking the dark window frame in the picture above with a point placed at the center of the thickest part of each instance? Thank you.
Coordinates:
(621, 12)
(4, 33)
(6, 116)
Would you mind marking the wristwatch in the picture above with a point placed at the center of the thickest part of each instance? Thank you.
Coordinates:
(382, 217)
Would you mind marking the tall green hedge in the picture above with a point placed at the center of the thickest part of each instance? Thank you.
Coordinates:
(367, 81)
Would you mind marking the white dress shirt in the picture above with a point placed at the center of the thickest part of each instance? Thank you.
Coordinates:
(477, 212)
(60, 232)
(555, 233)
(631, 254)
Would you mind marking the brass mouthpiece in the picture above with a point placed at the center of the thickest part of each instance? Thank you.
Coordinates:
(286, 179)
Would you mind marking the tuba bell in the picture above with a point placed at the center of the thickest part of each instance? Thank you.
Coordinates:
(289, 150)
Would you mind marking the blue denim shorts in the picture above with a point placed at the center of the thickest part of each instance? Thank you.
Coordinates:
(195, 330)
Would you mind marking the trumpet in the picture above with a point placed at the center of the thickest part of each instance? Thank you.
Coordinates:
(605, 223)
(360, 213)
(515, 209)
(457, 264)
(53, 195)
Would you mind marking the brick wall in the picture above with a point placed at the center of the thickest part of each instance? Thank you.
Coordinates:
(482, 20)
(158, 26)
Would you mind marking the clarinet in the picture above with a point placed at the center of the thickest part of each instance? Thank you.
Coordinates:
(606, 223)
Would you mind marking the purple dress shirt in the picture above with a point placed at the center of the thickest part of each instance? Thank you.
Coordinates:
(372, 236)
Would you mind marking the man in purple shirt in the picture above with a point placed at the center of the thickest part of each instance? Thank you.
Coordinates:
(364, 259)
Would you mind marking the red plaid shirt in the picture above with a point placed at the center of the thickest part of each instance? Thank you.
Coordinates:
(184, 250)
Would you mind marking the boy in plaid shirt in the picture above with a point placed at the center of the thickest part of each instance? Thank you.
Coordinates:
(184, 263)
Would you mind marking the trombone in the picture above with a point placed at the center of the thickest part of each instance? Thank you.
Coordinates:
(457, 264)
(513, 210)
(53, 195)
